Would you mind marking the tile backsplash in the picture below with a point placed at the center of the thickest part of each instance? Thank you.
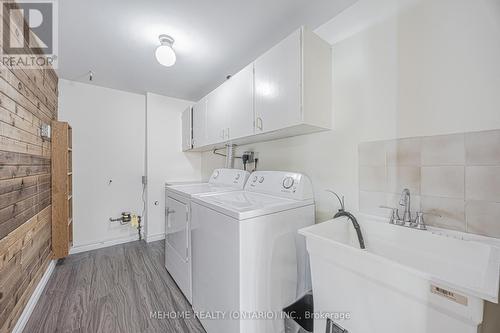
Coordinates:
(455, 176)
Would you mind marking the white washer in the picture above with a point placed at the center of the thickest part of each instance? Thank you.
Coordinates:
(178, 225)
(248, 259)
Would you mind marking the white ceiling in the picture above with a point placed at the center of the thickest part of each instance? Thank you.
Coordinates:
(213, 38)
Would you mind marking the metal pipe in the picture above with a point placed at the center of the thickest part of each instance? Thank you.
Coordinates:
(230, 155)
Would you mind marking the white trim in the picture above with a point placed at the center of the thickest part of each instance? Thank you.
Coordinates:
(100, 245)
(30, 306)
(154, 238)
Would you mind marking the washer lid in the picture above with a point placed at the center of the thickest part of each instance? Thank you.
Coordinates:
(191, 190)
(243, 205)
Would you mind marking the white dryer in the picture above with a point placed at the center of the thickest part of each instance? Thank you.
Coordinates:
(178, 217)
(248, 260)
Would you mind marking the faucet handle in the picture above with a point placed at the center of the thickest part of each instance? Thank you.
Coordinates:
(420, 222)
(394, 214)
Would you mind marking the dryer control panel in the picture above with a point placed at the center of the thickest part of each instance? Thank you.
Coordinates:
(230, 177)
(280, 183)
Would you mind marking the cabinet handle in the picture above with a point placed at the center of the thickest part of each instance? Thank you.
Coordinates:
(259, 123)
(169, 211)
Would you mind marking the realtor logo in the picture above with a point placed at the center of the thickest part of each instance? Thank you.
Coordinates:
(29, 34)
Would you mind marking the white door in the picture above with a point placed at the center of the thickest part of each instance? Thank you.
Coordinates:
(200, 123)
(240, 103)
(187, 130)
(217, 114)
(278, 86)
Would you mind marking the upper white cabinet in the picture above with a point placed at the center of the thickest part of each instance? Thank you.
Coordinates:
(293, 86)
(199, 124)
(187, 129)
(230, 108)
(217, 114)
(278, 81)
(285, 92)
(241, 103)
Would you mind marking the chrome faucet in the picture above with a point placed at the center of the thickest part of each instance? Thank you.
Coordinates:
(407, 221)
(405, 201)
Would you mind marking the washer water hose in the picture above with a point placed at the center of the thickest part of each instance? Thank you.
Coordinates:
(230, 155)
(134, 220)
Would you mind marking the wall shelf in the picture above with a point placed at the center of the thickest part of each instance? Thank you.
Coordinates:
(62, 189)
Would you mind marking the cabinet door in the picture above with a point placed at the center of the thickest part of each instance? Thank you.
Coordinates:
(278, 86)
(187, 131)
(240, 103)
(200, 123)
(217, 114)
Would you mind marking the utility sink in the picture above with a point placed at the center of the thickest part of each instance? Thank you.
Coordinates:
(405, 280)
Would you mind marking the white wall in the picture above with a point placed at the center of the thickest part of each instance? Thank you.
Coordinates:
(400, 69)
(165, 159)
(108, 144)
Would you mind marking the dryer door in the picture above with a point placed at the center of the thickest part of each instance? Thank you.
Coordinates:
(177, 227)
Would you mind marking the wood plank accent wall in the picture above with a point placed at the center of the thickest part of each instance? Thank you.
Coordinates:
(28, 98)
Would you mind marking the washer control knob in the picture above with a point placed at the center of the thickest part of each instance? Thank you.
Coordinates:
(237, 176)
(216, 174)
(288, 182)
(261, 180)
(254, 179)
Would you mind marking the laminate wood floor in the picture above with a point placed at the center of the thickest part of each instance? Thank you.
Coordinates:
(114, 289)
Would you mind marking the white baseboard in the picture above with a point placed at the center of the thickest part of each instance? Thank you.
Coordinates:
(30, 306)
(155, 237)
(100, 245)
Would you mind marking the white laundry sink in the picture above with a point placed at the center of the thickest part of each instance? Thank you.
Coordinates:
(405, 280)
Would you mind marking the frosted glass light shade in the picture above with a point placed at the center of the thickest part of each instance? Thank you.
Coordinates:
(165, 55)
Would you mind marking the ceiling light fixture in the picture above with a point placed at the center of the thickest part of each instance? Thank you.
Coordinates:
(165, 53)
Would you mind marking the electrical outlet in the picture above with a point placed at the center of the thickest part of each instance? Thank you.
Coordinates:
(45, 131)
(249, 156)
